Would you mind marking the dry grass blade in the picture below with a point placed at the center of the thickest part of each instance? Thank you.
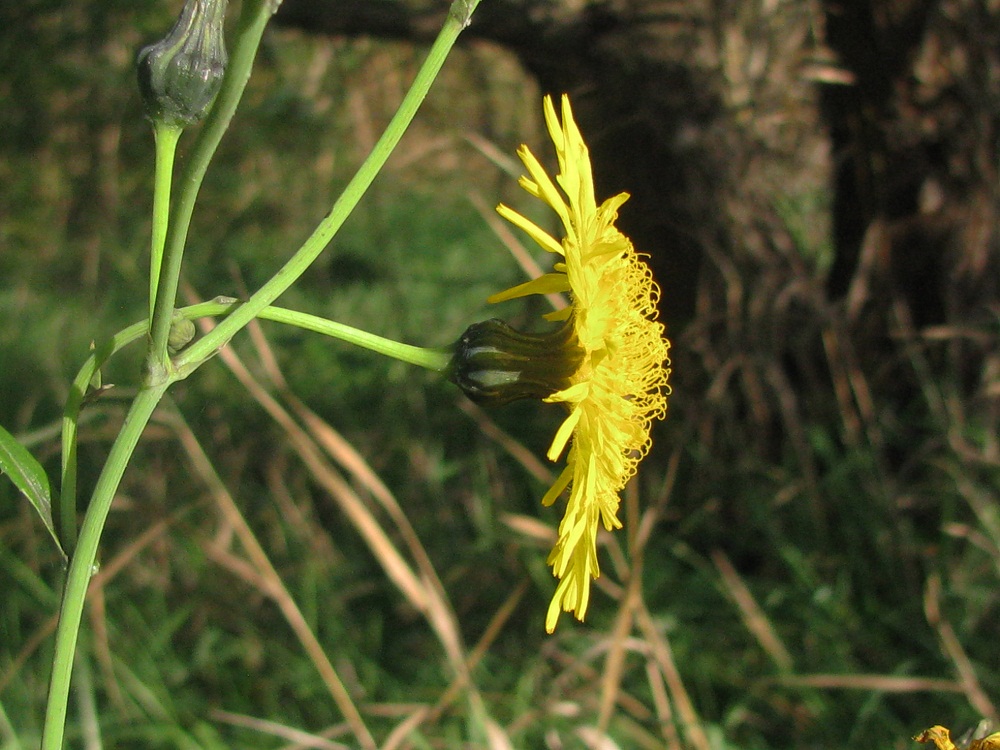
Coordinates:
(857, 403)
(540, 533)
(953, 648)
(985, 506)
(262, 572)
(753, 616)
(663, 655)
(789, 407)
(661, 701)
(528, 460)
(644, 529)
(392, 561)
(640, 526)
(300, 739)
(508, 165)
(399, 735)
(614, 664)
(578, 675)
(97, 614)
(438, 610)
(432, 596)
(629, 602)
(425, 591)
(496, 624)
(876, 682)
(497, 737)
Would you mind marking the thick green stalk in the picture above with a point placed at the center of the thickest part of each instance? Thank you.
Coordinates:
(81, 566)
(457, 19)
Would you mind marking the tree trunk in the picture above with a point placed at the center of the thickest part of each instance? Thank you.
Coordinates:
(673, 113)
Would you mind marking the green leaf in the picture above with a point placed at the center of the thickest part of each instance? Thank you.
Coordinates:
(29, 477)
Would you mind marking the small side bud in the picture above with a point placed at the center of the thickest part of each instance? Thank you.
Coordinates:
(493, 363)
(180, 75)
(182, 331)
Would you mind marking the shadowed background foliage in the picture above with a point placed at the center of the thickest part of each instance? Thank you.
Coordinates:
(812, 550)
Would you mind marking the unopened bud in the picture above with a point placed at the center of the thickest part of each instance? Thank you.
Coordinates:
(180, 75)
(182, 331)
(493, 363)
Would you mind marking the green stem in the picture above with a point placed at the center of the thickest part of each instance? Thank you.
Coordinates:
(166, 137)
(249, 30)
(85, 553)
(457, 19)
(160, 371)
(164, 277)
(431, 359)
(70, 423)
(81, 566)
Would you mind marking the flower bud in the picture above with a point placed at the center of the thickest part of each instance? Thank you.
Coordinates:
(182, 331)
(180, 75)
(493, 363)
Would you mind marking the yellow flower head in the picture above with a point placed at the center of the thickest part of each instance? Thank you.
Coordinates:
(941, 737)
(619, 352)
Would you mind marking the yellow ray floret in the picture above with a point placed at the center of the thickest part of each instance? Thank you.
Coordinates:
(621, 384)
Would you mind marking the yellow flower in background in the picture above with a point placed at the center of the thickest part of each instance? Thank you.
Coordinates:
(618, 385)
(980, 739)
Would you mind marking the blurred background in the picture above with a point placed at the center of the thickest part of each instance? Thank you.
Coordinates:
(317, 547)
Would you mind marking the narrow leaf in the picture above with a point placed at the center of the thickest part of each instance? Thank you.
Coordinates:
(29, 477)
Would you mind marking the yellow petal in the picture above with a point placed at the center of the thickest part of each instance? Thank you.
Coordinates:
(541, 185)
(560, 484)
(939, 735)
(547, 284)
(539, 235)
(563, 435)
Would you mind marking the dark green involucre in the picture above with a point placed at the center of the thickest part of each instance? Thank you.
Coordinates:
(494, 363)
(180, 75)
